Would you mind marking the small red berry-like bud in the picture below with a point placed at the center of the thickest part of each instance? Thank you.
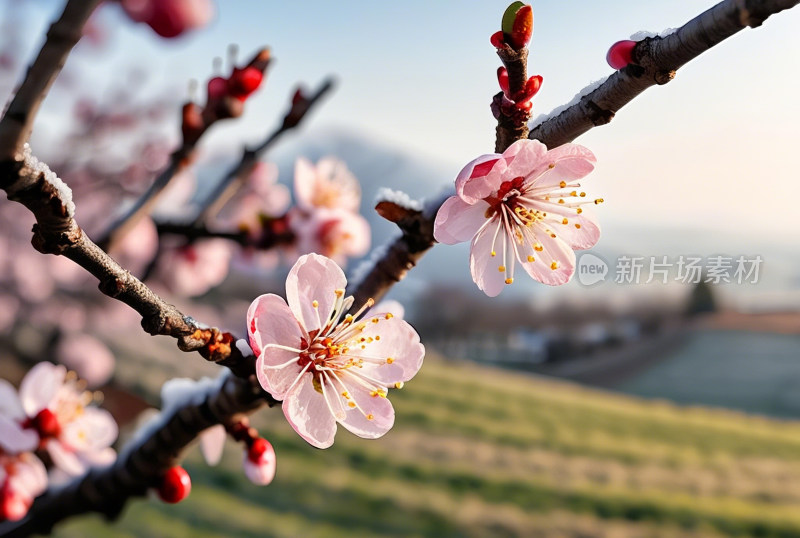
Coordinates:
(502, 78)
(46, 423)
(298, 96)
(620, 54)
(244, 82)
(175, 485)
(510, 16)
(526, 105)
(497, 39)
(217, 88)
(522, 29)
(259, 447)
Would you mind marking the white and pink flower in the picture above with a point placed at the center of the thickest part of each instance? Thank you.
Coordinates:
(23, 477)
(329, 185)
(333, 233)
(53, 408)
(521, 207)
(192, 270)
(325, 367)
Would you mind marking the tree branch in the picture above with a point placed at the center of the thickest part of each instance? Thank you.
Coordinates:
(142, 463)
(64, 34)
(656, 61)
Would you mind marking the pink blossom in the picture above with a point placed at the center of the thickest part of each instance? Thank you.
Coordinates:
(327, 369)
(170, 18)
(329, 184)
(212, 443)
(334, 233)
(521, 207)
(54, 406)
(87, 356)
(192, 270)
(23, 477)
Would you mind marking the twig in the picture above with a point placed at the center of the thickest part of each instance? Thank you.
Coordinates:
(141, 464)
(64, 34)
(237, 175)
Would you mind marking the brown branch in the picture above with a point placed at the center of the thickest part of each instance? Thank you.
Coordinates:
(32, 184)
(512, 122)
(657, 60)
(141, 464)
(64, 34)
(237, 175)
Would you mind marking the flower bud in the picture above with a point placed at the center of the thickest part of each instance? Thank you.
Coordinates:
(621, 54)
(175, 485)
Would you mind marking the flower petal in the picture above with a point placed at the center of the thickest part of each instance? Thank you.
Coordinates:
(40, 386)
(270, 321)
(308, 414)
(65, 459)
(373, 416)
(15, 439)
(482, 265)
(305, 178)
(261, 473)
(552, 250)
(10, 405)
(527, 155)
(313, 280)
(476, 182)
(584, 235)
(30, 477)
(458, 221)
(92, 430)
(571, 162)
(212, 442)
(393, 342)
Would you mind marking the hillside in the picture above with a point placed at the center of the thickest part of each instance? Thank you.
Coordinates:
(480, 452)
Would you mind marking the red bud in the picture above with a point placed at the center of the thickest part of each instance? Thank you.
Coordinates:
(175, 485)
(621, 54)
(531, 89)
(526, 105)
(497, 39)
(46, 423)
(244, 82)
(502, 78)
(257, 449)
(217, 88)
(13, 505)
(523, 28)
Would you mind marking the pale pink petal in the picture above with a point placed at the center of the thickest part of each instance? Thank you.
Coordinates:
(394, 347)
(527, 155)
(40, 386)
(308, 414)
(553, 250)
(584, 236)
(212, 442)
(372, 417)
(269, 321)
(100, 458)
(10, 405)
(262, 472)
(305, 179)
(314, 279)
(572, 162)
(473, 185)
(14, 439)
(94, 429)
(341, 190)
(482, 265)
(458, 221)
(30, 476)
(65, 459)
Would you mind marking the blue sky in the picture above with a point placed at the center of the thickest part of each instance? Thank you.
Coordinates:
(419, 76)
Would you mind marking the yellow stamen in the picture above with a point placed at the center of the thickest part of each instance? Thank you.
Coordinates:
(554, 265)
(509, 280)
(502, 268)
(531, 259)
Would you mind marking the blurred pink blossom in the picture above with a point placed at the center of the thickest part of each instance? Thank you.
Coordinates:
(327, 369)
(329, 185)
(192, 270)
(23, 477)
(87, 356)
(517, 208)
(334, 233)
(170, 18)
(259, 462)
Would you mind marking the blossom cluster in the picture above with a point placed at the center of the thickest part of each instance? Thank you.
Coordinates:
(51, 415)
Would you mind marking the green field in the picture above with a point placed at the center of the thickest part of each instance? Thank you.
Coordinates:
(481, 452)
